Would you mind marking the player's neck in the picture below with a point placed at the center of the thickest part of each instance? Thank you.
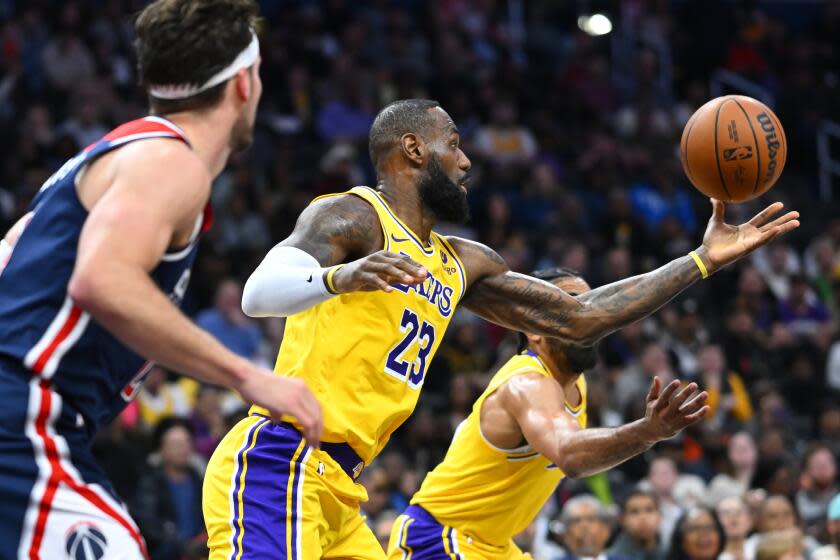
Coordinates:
(400, 192)
(557, 366)
(202, 132)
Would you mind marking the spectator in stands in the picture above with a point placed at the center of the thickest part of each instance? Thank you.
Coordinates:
(831, 551)
(729, 401)
(776, 513)
(685, 336)
(587, 529)
(207, 420)
(737, 523)
(819, 485)
(168, 499)
(159, 398)
(226, 321)
(742, 462)
(662, 478)
(804, 315)
(632, 385)
(639, 534)
(698, 535)
(786, 544)
(382, 527)
(505, 141)
(777, 263)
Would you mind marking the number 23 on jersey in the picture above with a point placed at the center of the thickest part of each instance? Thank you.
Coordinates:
(419, 338)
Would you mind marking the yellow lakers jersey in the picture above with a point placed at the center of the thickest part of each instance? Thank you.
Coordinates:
(486, 492)
(365, 354)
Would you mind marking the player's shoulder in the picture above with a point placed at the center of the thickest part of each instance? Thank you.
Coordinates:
(346, 205)
(528, 385)
(345, 214)
(479, 259)
(344, 220)
(165, 159)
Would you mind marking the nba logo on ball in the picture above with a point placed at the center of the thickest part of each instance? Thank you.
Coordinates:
(85, 542)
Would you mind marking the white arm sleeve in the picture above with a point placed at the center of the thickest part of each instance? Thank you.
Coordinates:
(287, 281)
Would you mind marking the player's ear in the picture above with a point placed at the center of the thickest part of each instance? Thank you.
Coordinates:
(533, 339)
(413, 147)
(243, 84)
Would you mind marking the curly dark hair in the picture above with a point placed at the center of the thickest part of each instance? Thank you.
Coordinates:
(187, 42)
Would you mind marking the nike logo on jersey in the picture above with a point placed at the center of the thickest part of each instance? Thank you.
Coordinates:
(398, 239)
(309, 279)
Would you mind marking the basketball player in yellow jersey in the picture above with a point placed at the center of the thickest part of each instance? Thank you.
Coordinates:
(525, 433)
(369, 289)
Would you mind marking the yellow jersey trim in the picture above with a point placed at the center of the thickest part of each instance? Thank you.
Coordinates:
(428, 250)
(445, 243)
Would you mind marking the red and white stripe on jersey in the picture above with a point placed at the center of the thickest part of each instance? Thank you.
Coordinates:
(147, 127)
(64, 331)
(55, 471)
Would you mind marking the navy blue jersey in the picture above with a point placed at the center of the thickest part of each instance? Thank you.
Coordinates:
(42, 328)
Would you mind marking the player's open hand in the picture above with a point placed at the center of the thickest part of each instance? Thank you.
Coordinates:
(285, 396)
(724, 243)
(379, 271)
(669, 411)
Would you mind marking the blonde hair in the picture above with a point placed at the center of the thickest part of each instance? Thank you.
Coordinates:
(775, 544)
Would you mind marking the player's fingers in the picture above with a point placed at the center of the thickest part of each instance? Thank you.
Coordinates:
(411, 268)
(665, 397)
(695, 403)
(378, 283)
(718, 208)
(766, 214)
(790, 216)
(311, 422)
(654, 389)
(697, 416)
(677, 402)
(392, 275)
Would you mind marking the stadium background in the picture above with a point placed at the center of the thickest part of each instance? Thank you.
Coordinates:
(574, 141)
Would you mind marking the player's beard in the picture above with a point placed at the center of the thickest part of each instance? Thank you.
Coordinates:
(444, 198)
(242, 134)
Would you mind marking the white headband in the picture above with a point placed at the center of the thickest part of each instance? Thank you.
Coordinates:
(245, 59)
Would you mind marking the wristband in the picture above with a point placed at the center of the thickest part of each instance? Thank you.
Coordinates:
(329, 279)
(704, 272)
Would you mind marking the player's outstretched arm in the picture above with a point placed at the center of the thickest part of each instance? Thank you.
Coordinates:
(335, 248)
(537, 405)
(138, 210)
(526, 304)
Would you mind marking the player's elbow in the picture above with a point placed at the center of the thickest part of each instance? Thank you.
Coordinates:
(569, 467)
(87, 289)
(252, 300)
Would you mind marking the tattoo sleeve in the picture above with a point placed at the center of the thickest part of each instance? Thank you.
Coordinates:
(527, 304)
(335, 229)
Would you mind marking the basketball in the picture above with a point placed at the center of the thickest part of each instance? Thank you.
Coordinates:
(733, 148)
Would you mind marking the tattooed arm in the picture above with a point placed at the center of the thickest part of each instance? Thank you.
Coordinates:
(301, 272)
(526, 304)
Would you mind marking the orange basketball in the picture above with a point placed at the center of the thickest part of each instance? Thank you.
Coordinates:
(733, 148)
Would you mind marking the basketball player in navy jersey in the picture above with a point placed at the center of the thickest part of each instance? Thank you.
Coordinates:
(94, 273)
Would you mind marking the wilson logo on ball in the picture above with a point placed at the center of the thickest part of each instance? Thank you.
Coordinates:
(772, 143)
(741, 152)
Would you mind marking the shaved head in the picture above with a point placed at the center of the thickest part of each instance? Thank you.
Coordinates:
(399, 118)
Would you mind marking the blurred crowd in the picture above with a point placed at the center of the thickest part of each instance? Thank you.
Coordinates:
(574, 144)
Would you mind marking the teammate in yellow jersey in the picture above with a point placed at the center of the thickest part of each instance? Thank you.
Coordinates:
(525, 433)
(369, 289)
